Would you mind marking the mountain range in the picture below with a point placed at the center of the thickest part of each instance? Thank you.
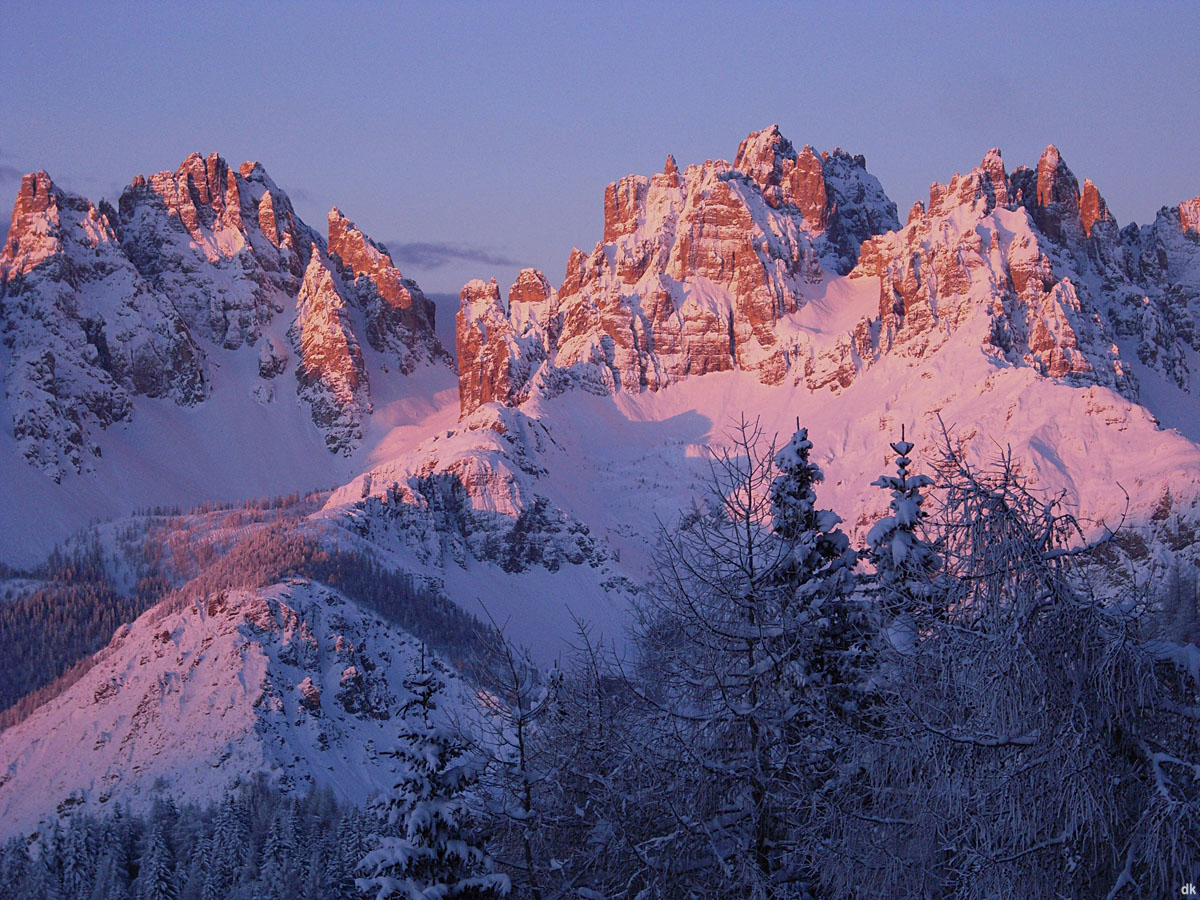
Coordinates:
(200, 342)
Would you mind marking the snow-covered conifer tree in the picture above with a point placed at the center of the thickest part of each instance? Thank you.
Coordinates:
(1023, 744)
(78, 862)
(113, 854)
(745, 625)
(908, 567)
(351, 845)
(433, 856)
(43, 877)
(816, 572)
(156, 872)
(14, 863)
(278, 865)
(229, 845)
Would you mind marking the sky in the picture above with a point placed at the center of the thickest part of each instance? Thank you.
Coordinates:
(475, 139)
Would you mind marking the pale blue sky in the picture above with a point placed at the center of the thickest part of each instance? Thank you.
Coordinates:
(488, 131)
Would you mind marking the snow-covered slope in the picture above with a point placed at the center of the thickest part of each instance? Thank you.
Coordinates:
(293, 680)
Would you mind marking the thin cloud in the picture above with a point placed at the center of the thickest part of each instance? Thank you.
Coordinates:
(435, 254)
(10, 173)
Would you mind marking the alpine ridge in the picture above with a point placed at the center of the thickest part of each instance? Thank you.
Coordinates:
(695, 274)
(705, 272)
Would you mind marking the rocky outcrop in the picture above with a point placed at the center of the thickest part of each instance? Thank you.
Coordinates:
(331, 374)
(1164, 258)
(1009, 254)
(709, 270)
(501, 345)
(85, 332)
(399, 318)
(695, 271)
(224, 246)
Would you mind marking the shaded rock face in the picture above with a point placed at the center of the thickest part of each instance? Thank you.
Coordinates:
(694, 272)
(1164, 259)
(100, 306)
(84, 331)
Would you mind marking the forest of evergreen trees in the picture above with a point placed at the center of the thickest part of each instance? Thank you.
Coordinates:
(70, 614)
(258, 843)
(951, 711)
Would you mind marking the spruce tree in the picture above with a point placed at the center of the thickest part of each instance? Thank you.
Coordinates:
(816, 577)
(433, 855)
(908, 568)
(351, 846)
(230, 842)
(156, 874)
(43, 877)
(14, 864)
(112, 872)
(278, 867)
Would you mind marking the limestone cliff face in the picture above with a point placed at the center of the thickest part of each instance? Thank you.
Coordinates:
(694, 272)
(331, 375)
(399, 318)
(223, 245)
(710, 269)
(1009, 250)
(500, 345)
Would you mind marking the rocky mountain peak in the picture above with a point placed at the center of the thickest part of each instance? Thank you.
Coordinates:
(499, 344)
(1189, 215)
(1092, 208)
(763, 155)
(623, 201)
(36, 193)
(1055, 182)
(399, 316)
(85, 331)
(1055, 206)
(478, 292)
(995, 177)
(983, 189)
(693, 273)
(531, 288)
(103, 305)
(226, 248)
(33, 233)
(784, 176)
(331, 371)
